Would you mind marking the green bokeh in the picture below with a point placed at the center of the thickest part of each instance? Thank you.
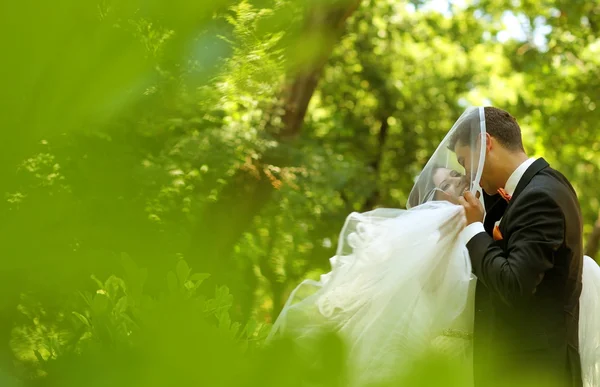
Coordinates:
(145, 134)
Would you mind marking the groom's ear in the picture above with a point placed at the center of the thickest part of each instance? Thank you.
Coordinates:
(488, 142)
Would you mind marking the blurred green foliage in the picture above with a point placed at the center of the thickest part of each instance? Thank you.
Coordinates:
(234, 136)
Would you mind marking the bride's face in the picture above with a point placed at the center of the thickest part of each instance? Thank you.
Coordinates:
(450, 181)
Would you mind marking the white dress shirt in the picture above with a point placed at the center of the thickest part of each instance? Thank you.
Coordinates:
(511, 185)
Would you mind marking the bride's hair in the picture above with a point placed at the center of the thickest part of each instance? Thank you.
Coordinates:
(413, 200)
(498, 124)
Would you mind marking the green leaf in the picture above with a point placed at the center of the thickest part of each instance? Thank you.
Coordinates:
(83, 319)
(250, 327)
(183, 271)
(199, 277)
(38, 356)
(87, 297)
(122, 305)
(114, 286)
(234, 328)
(98, 282)
(99, 304)
(129, 320)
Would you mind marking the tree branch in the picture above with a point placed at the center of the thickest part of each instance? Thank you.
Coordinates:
(221, 224)
(327, 24)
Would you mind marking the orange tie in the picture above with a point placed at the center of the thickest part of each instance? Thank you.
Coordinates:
(504, 194)
(496, 234)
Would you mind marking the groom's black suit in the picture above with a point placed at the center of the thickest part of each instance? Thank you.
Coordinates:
(529, 282)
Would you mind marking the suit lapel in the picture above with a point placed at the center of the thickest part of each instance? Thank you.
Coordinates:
(535, 168)
(496, 206)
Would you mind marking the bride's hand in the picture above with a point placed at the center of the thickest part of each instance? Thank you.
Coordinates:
(454, 224)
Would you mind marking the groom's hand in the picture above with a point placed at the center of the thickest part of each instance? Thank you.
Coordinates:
(473, 208)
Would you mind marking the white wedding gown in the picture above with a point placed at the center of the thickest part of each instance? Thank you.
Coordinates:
(401, 285)
(589, 323)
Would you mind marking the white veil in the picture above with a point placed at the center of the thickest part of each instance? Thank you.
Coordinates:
(444, 177)
(400, 282)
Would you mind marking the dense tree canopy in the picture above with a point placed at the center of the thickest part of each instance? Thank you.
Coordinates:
(144, 143)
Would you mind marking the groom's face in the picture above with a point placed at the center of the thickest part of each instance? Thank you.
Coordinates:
(469, 160)
(463, 155)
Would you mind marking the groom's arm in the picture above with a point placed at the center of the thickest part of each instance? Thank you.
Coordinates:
(536, 231)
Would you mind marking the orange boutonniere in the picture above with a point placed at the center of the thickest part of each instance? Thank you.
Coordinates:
(497, 235)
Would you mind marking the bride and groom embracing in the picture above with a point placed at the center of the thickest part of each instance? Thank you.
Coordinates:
(486, 265)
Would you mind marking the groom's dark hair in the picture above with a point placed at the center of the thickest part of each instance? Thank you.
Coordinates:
(498, 124)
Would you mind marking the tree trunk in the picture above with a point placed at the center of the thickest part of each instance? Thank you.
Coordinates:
(375, 196)
(268, 271)
(591, 247)
(222, 223)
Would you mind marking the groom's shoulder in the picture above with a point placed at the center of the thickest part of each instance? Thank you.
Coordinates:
(554, 183)
(551, 176)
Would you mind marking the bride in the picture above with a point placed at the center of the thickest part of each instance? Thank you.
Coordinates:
(401, 284)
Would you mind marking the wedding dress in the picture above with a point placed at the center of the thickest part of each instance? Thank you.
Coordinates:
(400, 284)
(392, 291)
(589, 323)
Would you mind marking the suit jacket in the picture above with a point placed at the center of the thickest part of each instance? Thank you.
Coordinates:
(529, 282)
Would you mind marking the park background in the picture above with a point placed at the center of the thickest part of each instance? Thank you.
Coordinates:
(171, 170)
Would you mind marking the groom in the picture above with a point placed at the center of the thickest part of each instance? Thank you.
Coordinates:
(526, 252)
